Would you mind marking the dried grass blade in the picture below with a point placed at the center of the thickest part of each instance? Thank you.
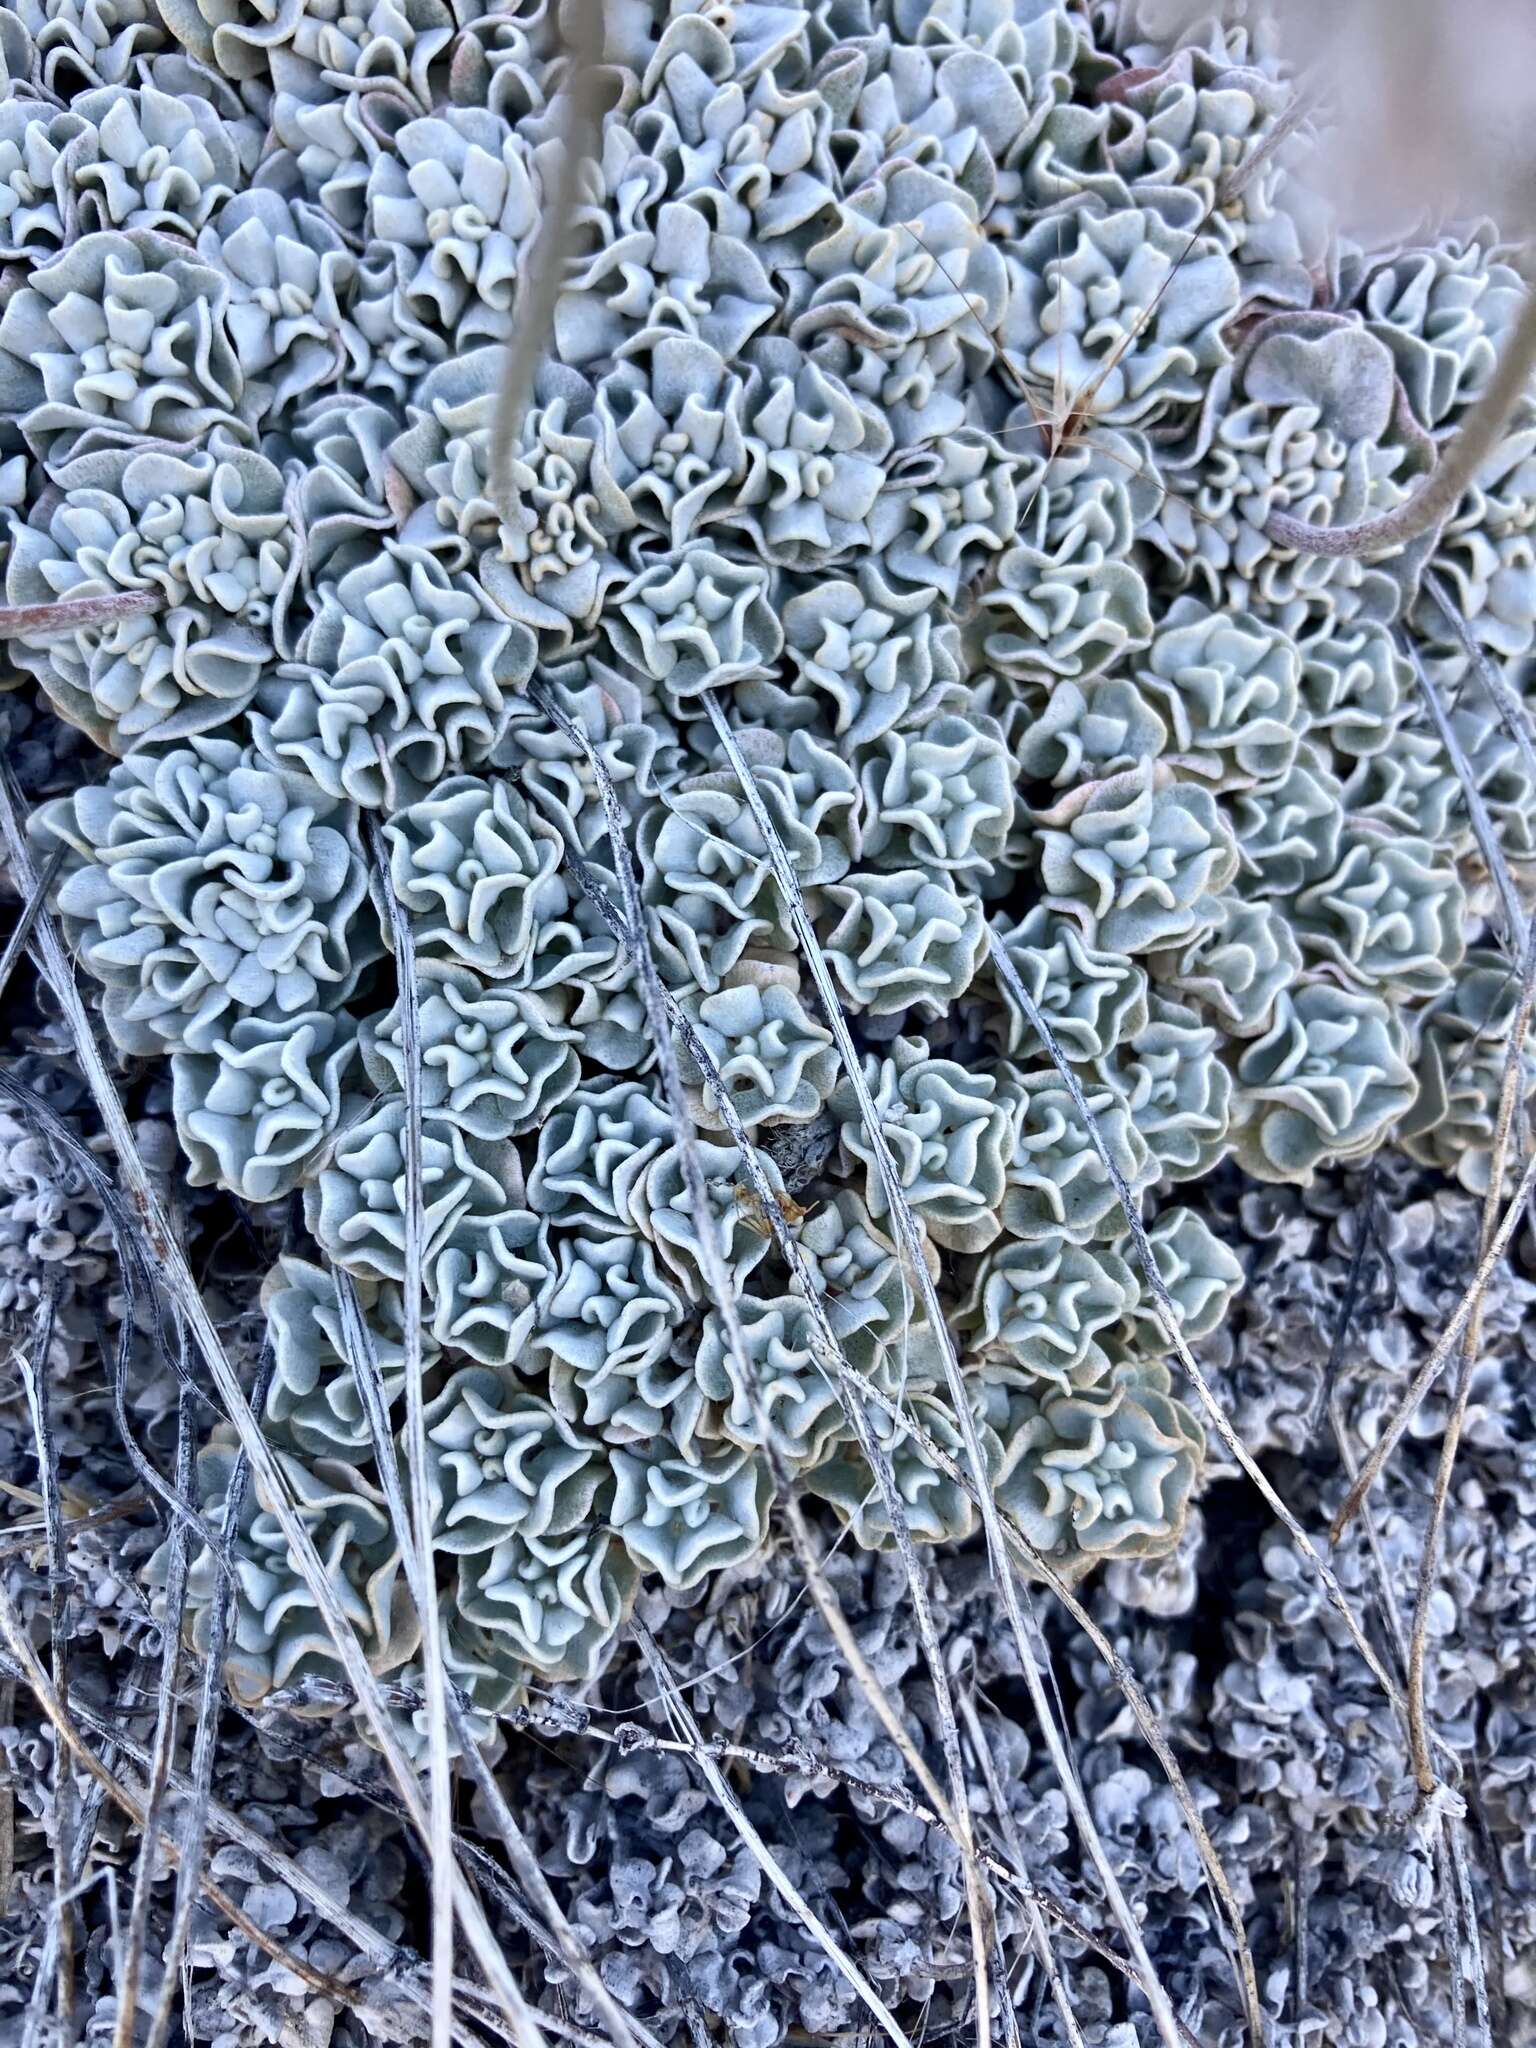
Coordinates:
(1038, 1934)
(195, 1797)
(137, 1281)
(1510, 1093)
(1477, 810)
(21, 931)
(1434, 1362)
(34, 1374)
(25, 1659)
(1506, 702)
(131, 1957)
(911, 1245)
(851, 1391)
(1168, 1317)
(1140, 1706)
(417, 1534)
(358, 1345)
(1472, 1947)
(636, 934)
(827, 1344)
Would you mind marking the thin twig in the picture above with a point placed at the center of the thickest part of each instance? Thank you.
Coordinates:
(418, 1534)
(1434, 1363)
(34, 1372)
(1241, 176)
(543, 263)
(631, 1736)
(75, 614)
(1429, 1561)
(195, 1804)
(911, 1243)
(711, 1258)
(681, 1716)
(1173, 1329)
(25, 1658)
(1477, 810)
(1438, 494)
(1008, 1828)
(21, 931)
(357, 1343)
(1505, 701)
(131, 1960)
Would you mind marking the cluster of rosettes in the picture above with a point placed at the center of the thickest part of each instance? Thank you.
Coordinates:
(922, 380)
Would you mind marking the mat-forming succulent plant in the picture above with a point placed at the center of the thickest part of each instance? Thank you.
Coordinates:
(912, 421)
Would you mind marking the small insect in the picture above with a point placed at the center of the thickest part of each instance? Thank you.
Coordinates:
(757, 1220)
(1059, 417)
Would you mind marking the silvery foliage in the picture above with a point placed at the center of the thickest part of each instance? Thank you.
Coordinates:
(918, 394)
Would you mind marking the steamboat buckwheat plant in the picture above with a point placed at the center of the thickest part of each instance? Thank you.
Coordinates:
(794, 1001)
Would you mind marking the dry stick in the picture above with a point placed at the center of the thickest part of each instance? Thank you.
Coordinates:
(545, 272)
(1300, 1896)
(1439, 493)
(911, 1242)
(1496, 1990)
(194, 1828)
(75, 614)
(135, 1281)
(1482, 824)
(172, 1265)
(85, 1833)
(16, 944)
(622, 2026)
(419, 1549)
(493, 1876)
(34, 1372)
(661, 1011)
(131, 1961)
(35, 1381)
(1457, 1849)
(1493, 855)
(7, 1803)
(1008, 1828)
(1434, 1363)
(1511, 711)
(68, 1736)
(1471, 1946)
(1365, 1214)
(1429, 1561)
(1454, 1947)
(1140, 1706)
(1168, 1317)
(360, 1353)
(860, 1389)
(681, 1716)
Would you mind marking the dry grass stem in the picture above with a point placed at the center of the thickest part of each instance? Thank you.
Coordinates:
(910, 1242)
